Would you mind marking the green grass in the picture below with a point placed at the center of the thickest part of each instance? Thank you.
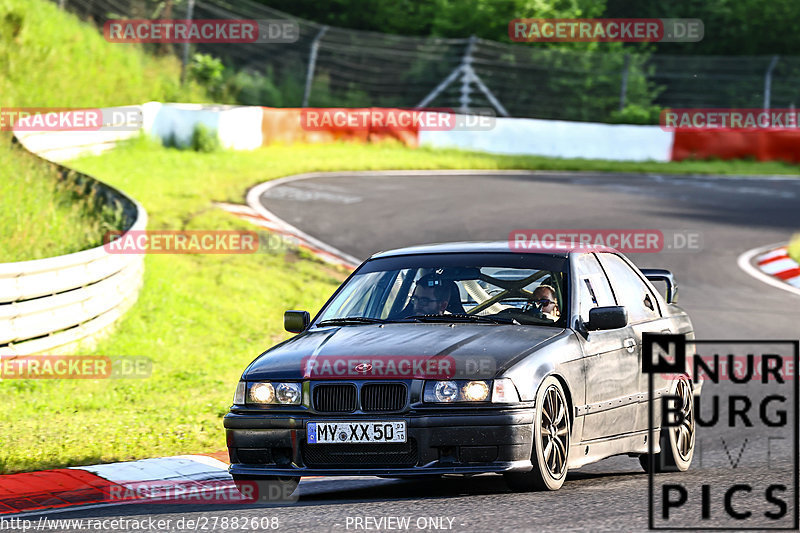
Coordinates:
(41, 216)
(203, 318)
(48, 58)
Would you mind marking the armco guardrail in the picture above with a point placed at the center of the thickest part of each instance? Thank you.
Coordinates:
(52, 305)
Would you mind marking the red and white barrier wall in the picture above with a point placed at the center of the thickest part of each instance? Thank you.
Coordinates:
(620, 142)
(762, 145)
(249, 127)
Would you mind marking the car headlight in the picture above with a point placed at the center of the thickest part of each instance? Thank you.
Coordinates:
(475, 391)
(267, 393)
(288, 393)
(262, 393)
(445, 391)
(500, 390)
(458, 390)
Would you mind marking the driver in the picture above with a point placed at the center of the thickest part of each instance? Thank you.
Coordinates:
(544, 298)
(431, 297)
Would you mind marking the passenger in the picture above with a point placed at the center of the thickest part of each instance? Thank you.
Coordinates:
(545, 301)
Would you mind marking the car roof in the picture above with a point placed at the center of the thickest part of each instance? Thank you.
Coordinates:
(551, 248)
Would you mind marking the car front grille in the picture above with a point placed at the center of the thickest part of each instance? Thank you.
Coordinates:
(335, 398)
(333, 455)
(382, 397)
(375, 397)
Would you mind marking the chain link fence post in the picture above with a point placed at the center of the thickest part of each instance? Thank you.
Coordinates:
(466, 79)
(623, 90)
(768, 82)
(185, 54)
(312, 63)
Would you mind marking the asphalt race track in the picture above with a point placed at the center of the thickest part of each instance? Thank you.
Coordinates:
(362, 214)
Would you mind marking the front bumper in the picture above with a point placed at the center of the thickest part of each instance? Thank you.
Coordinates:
(274, 444)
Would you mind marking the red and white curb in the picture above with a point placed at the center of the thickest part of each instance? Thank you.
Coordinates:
(777, 263)
(298, 238)
(115, 483)
(772, 265)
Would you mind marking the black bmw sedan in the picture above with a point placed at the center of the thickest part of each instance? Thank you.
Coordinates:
(465, 358)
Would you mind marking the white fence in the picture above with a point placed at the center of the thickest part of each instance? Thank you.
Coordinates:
(560, 138)
(52, 305)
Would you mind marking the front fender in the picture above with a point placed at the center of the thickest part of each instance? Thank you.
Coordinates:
(562, 357)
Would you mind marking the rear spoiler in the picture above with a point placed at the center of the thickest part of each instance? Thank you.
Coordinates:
(660, 274)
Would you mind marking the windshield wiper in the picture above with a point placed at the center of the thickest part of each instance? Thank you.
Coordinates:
(351, 320)
(463, 318)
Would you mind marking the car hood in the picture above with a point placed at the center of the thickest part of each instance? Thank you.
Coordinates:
(486, 347)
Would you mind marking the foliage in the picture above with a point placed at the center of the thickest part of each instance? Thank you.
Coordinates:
(794, 248)
(732, 27)
(254, 88)
(204, 139)
(636, 114)
(208, 71)
(487, 19)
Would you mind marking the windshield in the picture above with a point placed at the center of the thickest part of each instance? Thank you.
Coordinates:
(501, 288)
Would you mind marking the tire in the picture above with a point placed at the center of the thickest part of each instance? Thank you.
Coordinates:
(267, 489)
(551, 435)
(677, 443)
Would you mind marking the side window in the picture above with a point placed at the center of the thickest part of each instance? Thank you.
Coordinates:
(593, 286)
(629, 289)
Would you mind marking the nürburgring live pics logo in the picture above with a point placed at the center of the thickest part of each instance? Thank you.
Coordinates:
(745, 476)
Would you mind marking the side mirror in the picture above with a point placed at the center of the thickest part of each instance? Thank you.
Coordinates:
(296, 321)
(611, 317)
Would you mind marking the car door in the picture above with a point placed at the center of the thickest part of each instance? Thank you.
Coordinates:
(633, 291)
(612, 376)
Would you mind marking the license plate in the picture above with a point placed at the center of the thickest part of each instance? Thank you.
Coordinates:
(355, 432)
